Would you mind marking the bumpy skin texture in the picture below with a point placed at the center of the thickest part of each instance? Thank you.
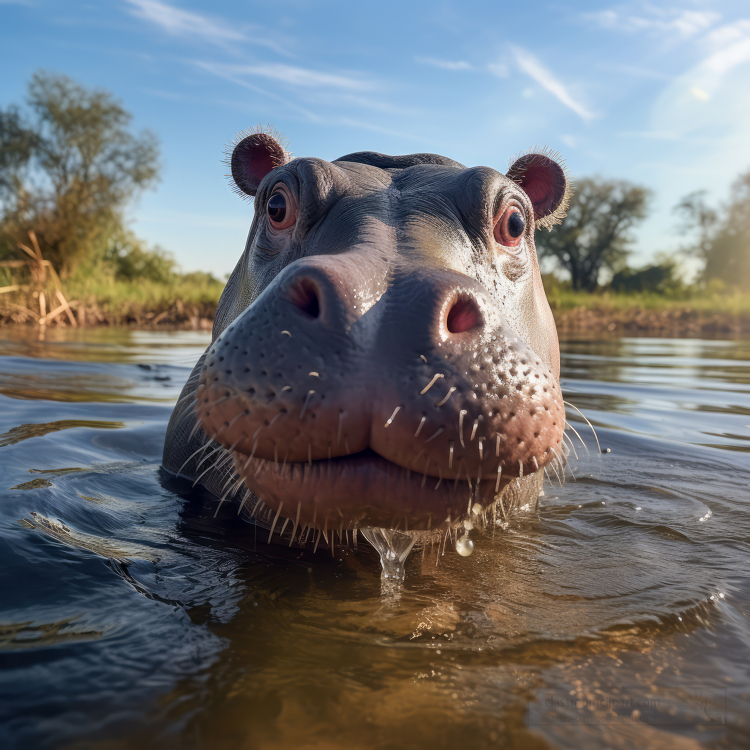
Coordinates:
(384, 361)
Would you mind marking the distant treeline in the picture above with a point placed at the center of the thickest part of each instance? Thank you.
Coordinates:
(70, 167)
(596, 236)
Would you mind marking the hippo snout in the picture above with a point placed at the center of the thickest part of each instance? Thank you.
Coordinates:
(384, 353)
(396, 391)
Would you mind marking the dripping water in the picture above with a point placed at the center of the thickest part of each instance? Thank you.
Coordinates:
(393, 547)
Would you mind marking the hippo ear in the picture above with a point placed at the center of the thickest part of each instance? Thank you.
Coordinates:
(544, 178)
(251, 155)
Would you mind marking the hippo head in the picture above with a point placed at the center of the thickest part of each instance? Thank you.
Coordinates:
(384, 353)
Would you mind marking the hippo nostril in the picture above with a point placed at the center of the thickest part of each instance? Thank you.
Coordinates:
(303, 294)
(464, 315)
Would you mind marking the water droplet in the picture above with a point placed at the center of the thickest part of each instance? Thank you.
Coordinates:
(468, 525)
(464, 546)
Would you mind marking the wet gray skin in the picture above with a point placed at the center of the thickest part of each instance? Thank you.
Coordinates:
(383, 353)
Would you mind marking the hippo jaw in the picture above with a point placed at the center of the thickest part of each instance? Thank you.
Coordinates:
(384, 359)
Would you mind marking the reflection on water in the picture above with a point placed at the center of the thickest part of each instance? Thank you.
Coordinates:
(615, 614)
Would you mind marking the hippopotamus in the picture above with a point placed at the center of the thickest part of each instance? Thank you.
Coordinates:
(383, 354)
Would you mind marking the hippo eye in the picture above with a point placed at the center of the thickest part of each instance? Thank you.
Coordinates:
(280, 208)
(510, 227)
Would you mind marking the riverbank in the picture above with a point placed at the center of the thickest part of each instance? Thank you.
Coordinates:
(702, 313)
(190, 304)
(187, 302)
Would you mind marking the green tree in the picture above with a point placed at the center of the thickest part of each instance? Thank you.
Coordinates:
(595, 234)
(720, 237)
(69, 168)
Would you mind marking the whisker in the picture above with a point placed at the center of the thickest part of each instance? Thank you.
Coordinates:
(296, 521)
(205, 471)
(435, 435)
(184, 398)
(431, 383)
(451, 391)
(208, 455)
(195, 452)
(250, 457)
(567, 403)
(218, 401)
(273, 525)
(194, 430)
(421, 425)
(575, 452)
(307, 401)
(395, 411)
(461, 416)
(578, 436)
(244, 500)
(241, 414)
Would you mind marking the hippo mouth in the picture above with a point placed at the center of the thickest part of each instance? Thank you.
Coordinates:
(373, 422)
(361, 489)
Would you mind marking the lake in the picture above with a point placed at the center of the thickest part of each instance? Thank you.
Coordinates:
(615, 613)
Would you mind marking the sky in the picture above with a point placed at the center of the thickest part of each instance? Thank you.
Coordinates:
(655, 94)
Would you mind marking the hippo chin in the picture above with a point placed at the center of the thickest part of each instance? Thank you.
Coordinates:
(383, 354)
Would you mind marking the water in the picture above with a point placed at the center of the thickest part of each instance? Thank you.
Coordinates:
(615, 613)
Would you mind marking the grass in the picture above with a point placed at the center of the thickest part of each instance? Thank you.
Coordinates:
(734, 303)
(186, 301)
(199, 290)
(712, 310)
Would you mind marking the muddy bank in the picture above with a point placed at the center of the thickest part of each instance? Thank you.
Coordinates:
(636, 321)
(176, 315)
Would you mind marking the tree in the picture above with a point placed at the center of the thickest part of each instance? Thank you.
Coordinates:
(69, 169)
(721, 237)
(595, 234)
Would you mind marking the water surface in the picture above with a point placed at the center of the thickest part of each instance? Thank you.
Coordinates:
(614, 614)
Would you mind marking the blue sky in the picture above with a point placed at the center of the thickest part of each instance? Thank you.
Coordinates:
(656, 94)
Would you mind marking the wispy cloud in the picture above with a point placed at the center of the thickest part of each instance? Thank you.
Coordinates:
(683, 23)
(499, 69)
(547, 80)
(445, 64)
(180, 22)
(730, 47)
(224, 71)
(292, 76)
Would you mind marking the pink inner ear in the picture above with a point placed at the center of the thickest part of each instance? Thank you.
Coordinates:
(253, 158)
(258, 162)
(543, 180)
